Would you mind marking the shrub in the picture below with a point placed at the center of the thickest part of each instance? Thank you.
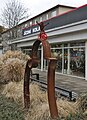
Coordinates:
(13, 70)
(14, 54)
(12, 65)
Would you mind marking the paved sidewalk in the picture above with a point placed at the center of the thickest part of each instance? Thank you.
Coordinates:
(74, 84)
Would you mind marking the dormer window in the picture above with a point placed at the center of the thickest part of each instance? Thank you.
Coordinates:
(53, 13)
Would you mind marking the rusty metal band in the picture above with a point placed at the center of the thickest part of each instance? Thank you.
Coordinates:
(32, 63)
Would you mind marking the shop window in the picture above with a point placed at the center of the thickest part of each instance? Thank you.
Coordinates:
(27, 51)
(77, 44)
(70, 60)
(39, 56)
(45, 64)
(65, 45)
(65, 61)
(56, 45)
(57, 53)
(77, 61)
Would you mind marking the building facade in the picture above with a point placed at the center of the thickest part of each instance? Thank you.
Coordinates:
(67, 35)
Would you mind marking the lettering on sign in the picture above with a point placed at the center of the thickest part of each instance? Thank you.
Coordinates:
(36, 29)
(27, 32)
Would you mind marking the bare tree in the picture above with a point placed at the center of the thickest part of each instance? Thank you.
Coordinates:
(13, 13)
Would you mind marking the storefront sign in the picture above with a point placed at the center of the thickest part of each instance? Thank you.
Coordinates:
(26, 32)
(30, 30)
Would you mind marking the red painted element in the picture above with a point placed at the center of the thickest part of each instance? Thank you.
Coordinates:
(42, 36)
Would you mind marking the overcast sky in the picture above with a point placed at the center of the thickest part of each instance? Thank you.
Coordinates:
(37, 6)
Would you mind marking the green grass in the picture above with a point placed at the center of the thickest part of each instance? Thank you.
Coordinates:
(9, 110)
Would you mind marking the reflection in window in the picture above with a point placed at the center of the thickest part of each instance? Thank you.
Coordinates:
(70, 60)
(57, 53)
(77, 61)
(77, 44)
(56, 45)
(45, 64)
(65, 61)
(39, 57)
